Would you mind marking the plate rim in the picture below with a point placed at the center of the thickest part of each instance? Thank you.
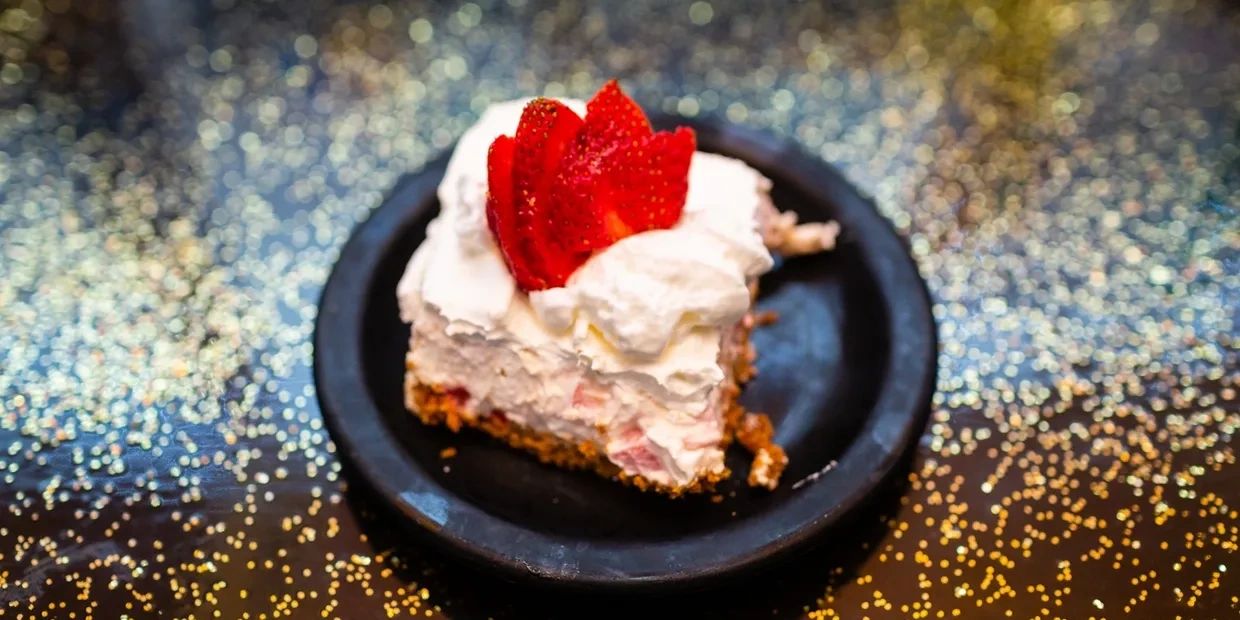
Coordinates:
(897, 417)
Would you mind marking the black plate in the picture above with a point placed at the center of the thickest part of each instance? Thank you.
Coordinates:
(846, 374)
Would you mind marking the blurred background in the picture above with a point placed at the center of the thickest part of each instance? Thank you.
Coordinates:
(177, 176)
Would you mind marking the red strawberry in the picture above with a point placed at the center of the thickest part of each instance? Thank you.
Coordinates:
(653, 179)
(565, 188)
(501, 208)
(584, 204)
(587, 202)
(546, 130)
(613, 121)
(618, 179)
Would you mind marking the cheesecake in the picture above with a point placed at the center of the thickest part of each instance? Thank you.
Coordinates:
(586, 294)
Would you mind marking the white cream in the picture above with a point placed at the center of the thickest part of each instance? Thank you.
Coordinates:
(631, 342)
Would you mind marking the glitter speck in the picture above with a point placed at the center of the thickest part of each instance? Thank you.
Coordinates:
(1160, 275)
(306, 46)
(421, 31)
(700, 13)
(173, 201)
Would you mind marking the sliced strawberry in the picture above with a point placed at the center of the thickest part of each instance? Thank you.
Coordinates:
(587, 202)
(613, 120)
(546, 130)
(502, 210)
(652, 178)
(565, 188)
(585, 205)
(618, 179)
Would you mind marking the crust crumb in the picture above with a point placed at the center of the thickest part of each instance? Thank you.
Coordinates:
(755, 431)
(784, 235)
(447, 453)
(769, 460)
(766, 317)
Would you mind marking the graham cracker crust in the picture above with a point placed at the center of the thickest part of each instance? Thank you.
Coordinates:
(436, 405)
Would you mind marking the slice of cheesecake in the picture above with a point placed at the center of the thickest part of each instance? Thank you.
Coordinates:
(585, 293)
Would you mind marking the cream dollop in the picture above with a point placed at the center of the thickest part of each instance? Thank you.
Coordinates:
(646, 288)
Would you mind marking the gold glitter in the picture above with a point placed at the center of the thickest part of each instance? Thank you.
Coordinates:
(1065, 173)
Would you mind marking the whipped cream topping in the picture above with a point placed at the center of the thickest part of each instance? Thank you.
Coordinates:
(645, 288)
(647, 314)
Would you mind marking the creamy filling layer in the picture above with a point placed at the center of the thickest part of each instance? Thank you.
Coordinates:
(538, 388)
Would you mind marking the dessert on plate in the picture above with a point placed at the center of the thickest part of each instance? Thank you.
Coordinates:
(586, 293)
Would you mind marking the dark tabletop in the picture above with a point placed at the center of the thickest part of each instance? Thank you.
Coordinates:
(177, 177)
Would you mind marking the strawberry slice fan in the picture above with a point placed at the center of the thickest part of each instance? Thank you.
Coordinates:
(564, 187)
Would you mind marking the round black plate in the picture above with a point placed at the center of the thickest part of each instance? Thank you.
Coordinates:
(846, 374)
